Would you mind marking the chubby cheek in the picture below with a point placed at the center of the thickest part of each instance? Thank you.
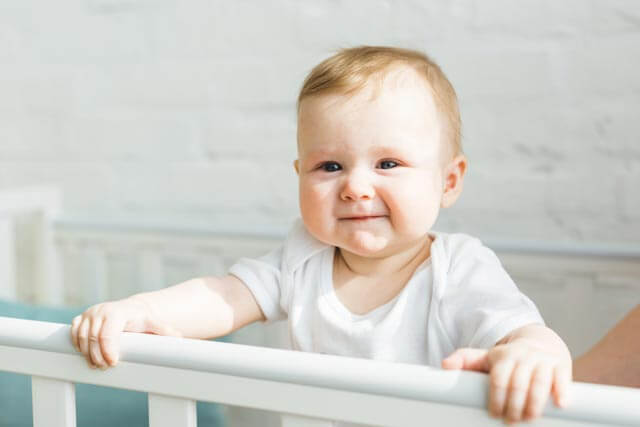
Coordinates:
(316, 206)
(414, 208)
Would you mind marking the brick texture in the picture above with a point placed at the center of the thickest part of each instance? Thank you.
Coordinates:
(187, 109)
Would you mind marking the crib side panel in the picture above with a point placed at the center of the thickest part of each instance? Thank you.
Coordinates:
(7, 259)
(54, 402)
(167, 411)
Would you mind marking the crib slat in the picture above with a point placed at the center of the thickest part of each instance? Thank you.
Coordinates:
(7, 259)
(151, 273)
(290, 420)
(166, 411)
(94, 275)
(50, 288)
(54, 403)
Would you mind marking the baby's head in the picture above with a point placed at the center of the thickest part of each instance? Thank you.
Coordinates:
(379, 149)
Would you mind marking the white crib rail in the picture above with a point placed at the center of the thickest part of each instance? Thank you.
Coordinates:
(309, 388)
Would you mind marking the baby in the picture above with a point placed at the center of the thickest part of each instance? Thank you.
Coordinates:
(362, 274)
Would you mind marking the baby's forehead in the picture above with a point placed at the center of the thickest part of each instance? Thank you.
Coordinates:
(394, 80)
(402, 75)
(389, 86)
(402, 92)
(390, 103)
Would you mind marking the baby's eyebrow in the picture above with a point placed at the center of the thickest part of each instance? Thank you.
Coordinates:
(376, 151)
(319, 153)
(387, 150)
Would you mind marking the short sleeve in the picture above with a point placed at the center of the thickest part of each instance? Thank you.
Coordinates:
(263, 278)
(480, 303)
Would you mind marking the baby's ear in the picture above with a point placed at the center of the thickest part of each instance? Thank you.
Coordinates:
(296, 166)
(453, 180)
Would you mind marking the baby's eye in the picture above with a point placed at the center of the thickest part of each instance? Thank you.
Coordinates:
(331, 166)
(388, 164)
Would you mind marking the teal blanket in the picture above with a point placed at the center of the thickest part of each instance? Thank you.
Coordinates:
(96, 406)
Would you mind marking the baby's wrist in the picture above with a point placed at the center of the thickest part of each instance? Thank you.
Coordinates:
(142, 310)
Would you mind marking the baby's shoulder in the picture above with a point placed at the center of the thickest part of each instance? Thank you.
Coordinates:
(300, 246)
(459, 252)
(456, 245)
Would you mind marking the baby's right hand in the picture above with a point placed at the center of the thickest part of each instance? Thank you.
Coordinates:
(96, 332)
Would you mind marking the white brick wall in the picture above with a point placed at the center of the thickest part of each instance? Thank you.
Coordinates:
(186, 109)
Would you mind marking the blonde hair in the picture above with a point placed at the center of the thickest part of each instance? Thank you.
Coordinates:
(349, 70)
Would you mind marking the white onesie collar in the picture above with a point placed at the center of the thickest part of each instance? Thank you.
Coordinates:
(300, 245)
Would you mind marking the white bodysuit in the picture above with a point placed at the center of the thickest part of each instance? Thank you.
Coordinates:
(459, 297)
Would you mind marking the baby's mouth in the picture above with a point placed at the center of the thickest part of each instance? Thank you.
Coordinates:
(363, 217)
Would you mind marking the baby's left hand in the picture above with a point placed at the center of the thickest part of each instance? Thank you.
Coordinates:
(521, 377)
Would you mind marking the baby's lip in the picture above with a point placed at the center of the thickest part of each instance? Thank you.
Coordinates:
(364, 216)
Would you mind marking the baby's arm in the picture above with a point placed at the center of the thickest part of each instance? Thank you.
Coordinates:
(524, 367)
(198, 308)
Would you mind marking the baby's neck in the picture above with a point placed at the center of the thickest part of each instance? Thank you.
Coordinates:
(406, 260)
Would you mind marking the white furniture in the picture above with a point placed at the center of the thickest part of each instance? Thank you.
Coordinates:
(309, 389)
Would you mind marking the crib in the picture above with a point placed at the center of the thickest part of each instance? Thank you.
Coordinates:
(75, 262)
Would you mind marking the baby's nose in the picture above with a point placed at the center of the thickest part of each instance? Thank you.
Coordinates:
(357, 186)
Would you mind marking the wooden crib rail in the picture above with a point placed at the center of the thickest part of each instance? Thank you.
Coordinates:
(309, 389)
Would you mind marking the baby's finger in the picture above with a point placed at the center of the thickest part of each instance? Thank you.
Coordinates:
(474, 359)
(110, 340)
(518, 390)
(75, 324)
(538, 391)
(94, 343)
(499, 379)
(561, 385)
(83, 339)
(83, 336)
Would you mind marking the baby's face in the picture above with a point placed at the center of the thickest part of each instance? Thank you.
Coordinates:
(371, 168)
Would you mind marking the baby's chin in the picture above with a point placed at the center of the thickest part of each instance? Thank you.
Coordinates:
(365, 243)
